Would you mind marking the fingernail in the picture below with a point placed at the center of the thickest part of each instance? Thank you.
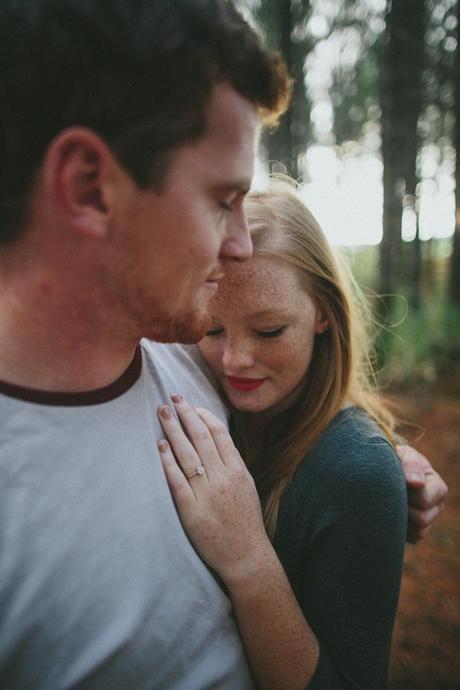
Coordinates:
(176, 398)
(165, 412)
(416, 477)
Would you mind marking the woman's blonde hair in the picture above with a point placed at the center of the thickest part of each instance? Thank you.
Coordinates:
(341, 367)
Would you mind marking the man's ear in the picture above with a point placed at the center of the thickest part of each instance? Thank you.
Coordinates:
(78, 166)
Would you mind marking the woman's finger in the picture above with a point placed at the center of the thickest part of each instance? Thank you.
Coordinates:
(221, 437)
(181, 489)
(199, 434)
(182, 448)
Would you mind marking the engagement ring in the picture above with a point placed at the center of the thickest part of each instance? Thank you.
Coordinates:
(200, 470)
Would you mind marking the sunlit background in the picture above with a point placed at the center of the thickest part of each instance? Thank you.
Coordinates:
(373, 137)
(343, 183)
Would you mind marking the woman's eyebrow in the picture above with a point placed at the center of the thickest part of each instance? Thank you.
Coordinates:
(273, 313)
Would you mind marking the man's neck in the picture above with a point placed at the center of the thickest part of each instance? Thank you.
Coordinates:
(54, 347)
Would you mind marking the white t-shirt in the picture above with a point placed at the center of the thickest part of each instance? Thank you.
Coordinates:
(99, 586)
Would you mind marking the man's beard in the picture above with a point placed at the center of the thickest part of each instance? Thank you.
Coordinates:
(186, 330)
(149, 318)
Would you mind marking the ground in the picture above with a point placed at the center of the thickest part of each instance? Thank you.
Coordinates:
(426, 647)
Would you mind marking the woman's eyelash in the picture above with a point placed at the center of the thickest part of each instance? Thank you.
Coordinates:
(275, 333)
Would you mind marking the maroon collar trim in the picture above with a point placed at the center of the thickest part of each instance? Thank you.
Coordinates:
(70, 399)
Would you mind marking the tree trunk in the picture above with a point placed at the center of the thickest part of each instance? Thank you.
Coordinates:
(279, 142)
(289, 141)
(401, 99)
(390, 247)
(413, 23)
(455, 259)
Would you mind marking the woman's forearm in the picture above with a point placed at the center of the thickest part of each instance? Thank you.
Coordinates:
(282, 649)
(220, 510)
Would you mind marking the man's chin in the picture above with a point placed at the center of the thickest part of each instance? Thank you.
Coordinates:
(187, 331)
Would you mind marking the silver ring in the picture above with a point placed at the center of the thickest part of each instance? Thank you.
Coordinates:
(199, 470)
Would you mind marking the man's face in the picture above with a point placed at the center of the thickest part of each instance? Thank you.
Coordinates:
(177, 240)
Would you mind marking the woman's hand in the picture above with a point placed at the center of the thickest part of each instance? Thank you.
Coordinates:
(214, 493)
(218, 504)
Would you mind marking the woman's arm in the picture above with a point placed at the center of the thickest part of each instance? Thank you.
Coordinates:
(221, 513)
(341, 548)
(340, 537)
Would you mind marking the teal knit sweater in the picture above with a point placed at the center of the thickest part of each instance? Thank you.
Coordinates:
(340, 536)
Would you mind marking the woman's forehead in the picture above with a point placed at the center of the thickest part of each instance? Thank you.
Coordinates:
(260, 271)
(261, 283)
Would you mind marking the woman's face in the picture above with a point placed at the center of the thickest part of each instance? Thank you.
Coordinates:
(261, 339)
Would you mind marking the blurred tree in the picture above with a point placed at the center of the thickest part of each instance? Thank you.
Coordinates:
(354, 89)
(387, 77)
(401, 102)
(455, 259)
(285, 27)
(438, 119)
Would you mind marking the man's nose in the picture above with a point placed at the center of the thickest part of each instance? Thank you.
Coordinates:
(237, 244)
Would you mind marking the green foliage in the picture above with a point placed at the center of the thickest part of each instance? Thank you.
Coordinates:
(364, 262)
(354, 97)
(418, 350)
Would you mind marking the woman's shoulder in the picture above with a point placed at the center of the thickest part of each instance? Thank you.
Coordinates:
(352, 431)
(351, 452)
(352, 422)
(351, 477)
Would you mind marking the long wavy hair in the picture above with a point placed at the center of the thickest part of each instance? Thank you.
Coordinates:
(341, 367)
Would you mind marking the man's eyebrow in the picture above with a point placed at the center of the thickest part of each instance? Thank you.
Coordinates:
(240, 186)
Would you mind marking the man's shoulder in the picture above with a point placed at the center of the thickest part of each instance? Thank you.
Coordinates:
(176, 360)
(170, 353)
(181, 369)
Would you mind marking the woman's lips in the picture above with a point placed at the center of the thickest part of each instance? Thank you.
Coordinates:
(244, 384)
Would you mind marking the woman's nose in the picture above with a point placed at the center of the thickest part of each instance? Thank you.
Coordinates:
(237, 356)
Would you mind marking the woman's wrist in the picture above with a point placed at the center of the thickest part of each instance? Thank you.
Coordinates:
(249, 573)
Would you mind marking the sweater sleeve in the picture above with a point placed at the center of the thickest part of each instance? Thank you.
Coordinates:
(345, 530)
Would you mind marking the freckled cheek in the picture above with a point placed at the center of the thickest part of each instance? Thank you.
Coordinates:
(289, 360)
(278, 356)
(213, 356)
(216, 359)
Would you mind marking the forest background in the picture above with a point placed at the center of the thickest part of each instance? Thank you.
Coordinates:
(373, 137)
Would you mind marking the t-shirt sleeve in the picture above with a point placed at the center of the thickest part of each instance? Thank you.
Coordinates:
(349, 522)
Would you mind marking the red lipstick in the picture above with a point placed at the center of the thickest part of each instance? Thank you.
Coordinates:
(244, 384)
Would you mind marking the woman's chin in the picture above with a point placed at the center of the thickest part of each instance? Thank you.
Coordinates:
(244, 402)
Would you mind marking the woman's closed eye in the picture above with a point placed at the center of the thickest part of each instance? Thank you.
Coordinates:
(272, 333)
(269, 333)
(216, 330)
